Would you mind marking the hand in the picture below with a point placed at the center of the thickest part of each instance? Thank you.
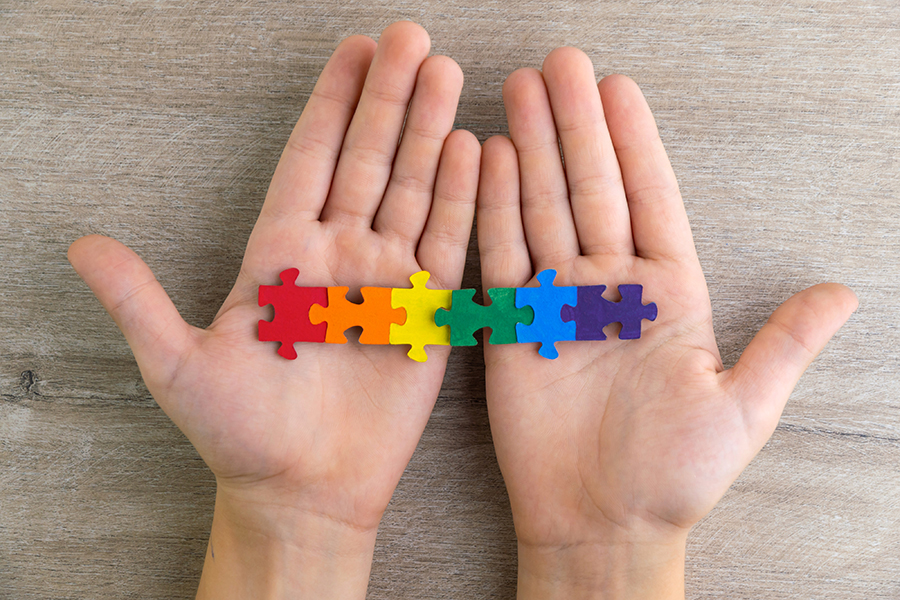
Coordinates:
(614, 450)
(307, 453)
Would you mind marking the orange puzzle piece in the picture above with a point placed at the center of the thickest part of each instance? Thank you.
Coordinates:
(374, 315)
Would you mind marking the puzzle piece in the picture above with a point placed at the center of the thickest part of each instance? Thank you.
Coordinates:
(419, 316)
(465, 317)
(547, 302)
(291, 323)
(374, 315)
(593, 312)
(420, 304)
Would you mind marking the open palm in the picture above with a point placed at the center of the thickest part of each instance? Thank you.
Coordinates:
(332, 431)
(619, 439)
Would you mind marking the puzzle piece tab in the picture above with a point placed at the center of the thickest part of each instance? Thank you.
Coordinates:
(593, 312)
(420, 329)
(547, 302)
(291, 323)
(374, 315)
(465, 317)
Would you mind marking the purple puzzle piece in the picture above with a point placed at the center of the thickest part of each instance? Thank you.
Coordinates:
(593, 312)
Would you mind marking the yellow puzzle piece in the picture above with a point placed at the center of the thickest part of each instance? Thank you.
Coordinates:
(419, 329)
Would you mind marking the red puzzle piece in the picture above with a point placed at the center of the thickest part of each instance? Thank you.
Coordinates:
(291, 323)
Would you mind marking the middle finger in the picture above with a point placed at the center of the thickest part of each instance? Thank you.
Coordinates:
(369, 147)
(592, 169)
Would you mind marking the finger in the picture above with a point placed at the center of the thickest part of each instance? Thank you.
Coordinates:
(505, 261)
(778, 355)
(408, 197)
(127, 289)
(592, 170)
(659, 222)
(304, 173)
(546, 214)
(365, 162)
(442, 249)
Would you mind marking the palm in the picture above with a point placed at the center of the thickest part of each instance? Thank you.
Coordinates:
(347, 206)
(362, 398)
(617, 434)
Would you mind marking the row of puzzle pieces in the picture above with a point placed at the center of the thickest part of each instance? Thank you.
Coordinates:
(420, 316)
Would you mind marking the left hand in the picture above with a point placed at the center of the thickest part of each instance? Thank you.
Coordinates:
(613, 451)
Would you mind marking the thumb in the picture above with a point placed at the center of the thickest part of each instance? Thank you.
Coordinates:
(773, 362)
(127, 289)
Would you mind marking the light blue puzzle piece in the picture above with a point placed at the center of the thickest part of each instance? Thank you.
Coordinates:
(547, 302)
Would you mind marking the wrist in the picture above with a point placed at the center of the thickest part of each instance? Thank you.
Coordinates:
(278, 551)
(622, 568)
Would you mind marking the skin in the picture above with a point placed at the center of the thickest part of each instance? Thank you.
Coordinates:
(307, 453)
(613, 451)
(610, 453)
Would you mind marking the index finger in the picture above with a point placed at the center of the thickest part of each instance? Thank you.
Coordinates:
(304, 173)
(659, 223)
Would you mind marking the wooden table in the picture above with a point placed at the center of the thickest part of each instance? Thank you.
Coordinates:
(160, 123)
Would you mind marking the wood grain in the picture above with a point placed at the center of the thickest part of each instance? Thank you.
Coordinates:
(160, 123)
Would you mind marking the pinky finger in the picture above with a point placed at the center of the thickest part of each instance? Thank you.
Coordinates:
(442, 247)
(505, 261)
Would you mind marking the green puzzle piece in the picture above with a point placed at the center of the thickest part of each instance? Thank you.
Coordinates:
(465, 317)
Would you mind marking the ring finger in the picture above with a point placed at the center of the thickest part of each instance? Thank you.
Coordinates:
(546, 214)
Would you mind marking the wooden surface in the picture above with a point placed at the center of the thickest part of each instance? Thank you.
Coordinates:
(160, 123)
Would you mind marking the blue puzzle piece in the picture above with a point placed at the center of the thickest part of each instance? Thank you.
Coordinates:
(593, 312)
(547, 302)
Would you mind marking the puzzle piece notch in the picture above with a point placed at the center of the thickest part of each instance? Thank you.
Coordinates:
(547, 301)
(593, 312)
(291, 323)
(421, 304)
(374, 315)
(465, 316)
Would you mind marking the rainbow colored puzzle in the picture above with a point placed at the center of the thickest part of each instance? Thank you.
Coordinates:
(420, 316)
